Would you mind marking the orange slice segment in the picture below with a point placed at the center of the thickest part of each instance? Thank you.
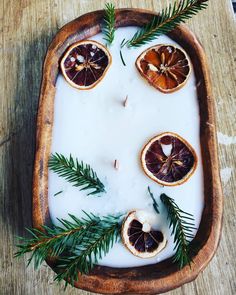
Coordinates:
(165, 67)
(139, 237)
(85, 64)
(168, 159)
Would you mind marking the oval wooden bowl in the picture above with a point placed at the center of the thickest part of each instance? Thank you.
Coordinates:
(161, 277)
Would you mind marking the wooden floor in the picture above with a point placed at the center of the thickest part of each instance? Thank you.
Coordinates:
(27, 27)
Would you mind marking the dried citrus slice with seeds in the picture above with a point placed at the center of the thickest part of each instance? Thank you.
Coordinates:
(85, 64)
(139, 236)
(168, 159)
(165, 67)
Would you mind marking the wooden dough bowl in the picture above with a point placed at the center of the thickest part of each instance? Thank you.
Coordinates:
(164, 276)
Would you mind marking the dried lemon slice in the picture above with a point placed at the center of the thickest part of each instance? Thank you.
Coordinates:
(165, 67)
(168, 159)
(85, 64)
(139, 236)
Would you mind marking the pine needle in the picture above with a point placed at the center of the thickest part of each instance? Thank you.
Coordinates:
(78, 173)
(58, 193)
(169, 18)
(122, 58)
(155, 205)
(182, 227)
(95, 245)
(77, 244)
(109, 23)
(121, 54)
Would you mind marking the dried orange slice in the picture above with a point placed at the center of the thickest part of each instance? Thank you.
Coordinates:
(85, 64)
(168, 159)
(165, 67)
(139, 237)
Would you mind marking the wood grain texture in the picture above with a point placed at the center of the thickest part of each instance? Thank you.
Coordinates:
(27, 29)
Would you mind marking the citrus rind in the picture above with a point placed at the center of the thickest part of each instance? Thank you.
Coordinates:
(81, 64)
(158, 240)
(173, 72)
(151, 175)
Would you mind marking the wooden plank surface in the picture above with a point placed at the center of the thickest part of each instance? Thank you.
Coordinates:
(27, 27)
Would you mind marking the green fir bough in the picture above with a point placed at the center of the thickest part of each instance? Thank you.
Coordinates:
(77, 173)
(95, 244)
(166, 21)
(77, 243)
(109, 23)
(182, 227)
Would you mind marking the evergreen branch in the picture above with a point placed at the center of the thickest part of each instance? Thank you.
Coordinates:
(155, 205)
(182, 227)
(95, 245)
(78, 173)
(52, 241)
(169, 18)
(83, 240)
(109, 23)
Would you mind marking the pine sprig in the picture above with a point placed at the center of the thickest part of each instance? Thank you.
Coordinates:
(95, 245)
(84, 241)
(78, 173)
(54, 240)
(109, 23)
(169, 18)
(182, 227)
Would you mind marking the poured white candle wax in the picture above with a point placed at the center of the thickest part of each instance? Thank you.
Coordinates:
(94, 126)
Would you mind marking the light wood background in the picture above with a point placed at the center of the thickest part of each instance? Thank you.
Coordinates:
(27, 27)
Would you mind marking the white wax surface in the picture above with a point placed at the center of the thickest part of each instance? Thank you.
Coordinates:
(94, 126)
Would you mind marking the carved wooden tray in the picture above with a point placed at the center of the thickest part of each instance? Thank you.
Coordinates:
(161, 277)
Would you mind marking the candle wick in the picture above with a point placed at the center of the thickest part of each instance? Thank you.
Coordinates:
(116, 164)
(125, 103)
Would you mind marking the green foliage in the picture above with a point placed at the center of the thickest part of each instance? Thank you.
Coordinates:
(95, 244)
(155, 205)
(58, 193)
(78, 173)
(169, 18)
(121, 54)
(109, 23)
(182, 226)
(122, 58)
(77, 244)
(54, 240)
